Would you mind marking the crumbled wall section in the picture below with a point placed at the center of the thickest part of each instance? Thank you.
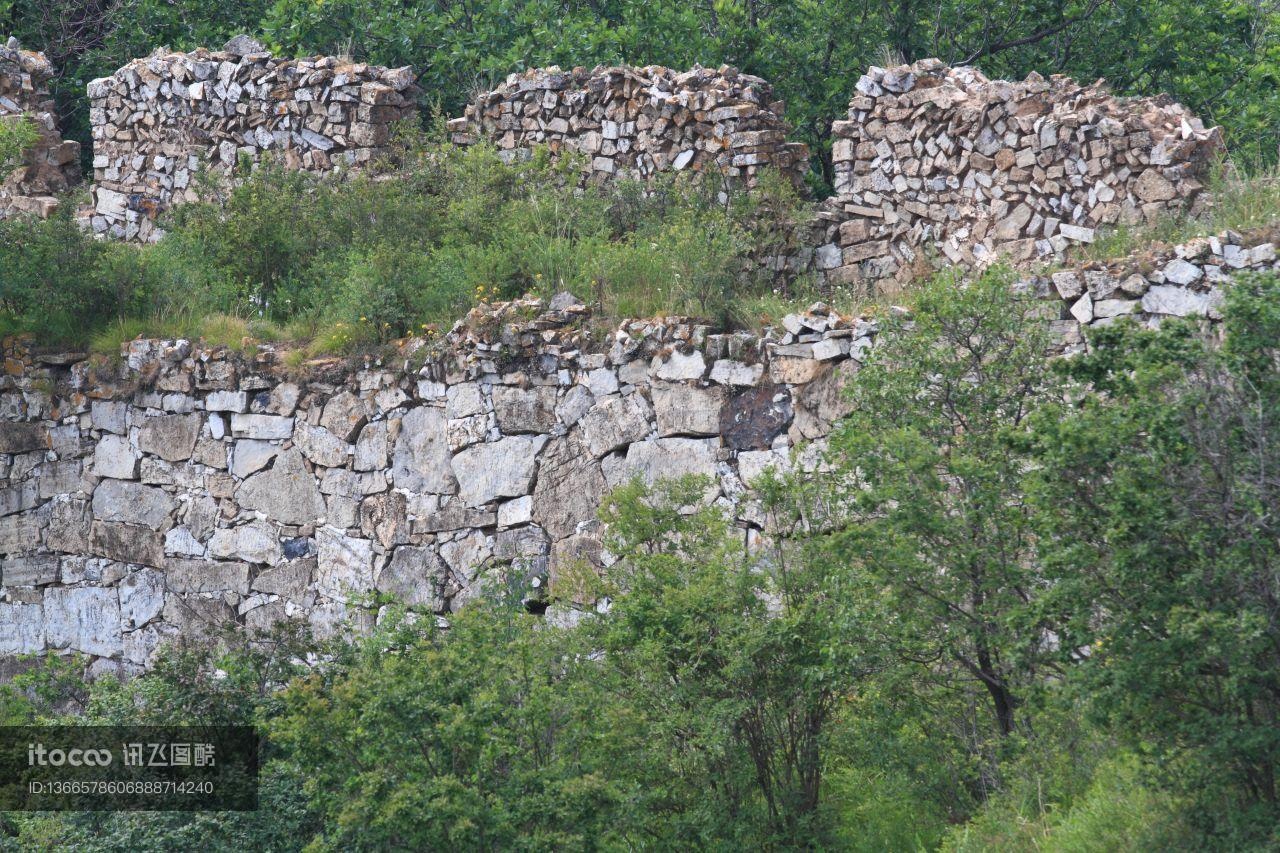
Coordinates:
(158, 121)
(637, 122)
(52, 165)
(943, 163)
(1181, 281)
(184, 487)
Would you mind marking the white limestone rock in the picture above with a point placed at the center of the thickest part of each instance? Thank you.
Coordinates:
(1180, 301)
(420, 461)
(171, 437)
(287, 492)
(115, 457)
(1182, 272)
(371, 447)
(255, 542)
(22, 629)
(320, 446)
(667, 458)
(83, 619)
(133, 503)
(261, 426)
(141, 597)
(416, 577)
(729, 372)
(677, 365)
(250, 455)
(345, 564)
(683, 409)
(616, 422)
(498, 469)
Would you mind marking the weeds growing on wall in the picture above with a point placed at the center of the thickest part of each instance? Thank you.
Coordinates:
(360, 259)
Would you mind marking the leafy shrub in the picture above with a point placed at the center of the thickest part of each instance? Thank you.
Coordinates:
(1119, 811)
(17, 134)
(59, 282)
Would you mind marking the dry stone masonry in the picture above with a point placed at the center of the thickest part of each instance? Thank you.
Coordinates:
(183, 488)
(158, 121)
(937, 164)
(186, 488)
(637, 122)
(1178, 281)
(52, 165)
(934, 165)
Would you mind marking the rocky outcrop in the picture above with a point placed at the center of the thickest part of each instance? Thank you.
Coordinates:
(157, 122)
(942, 165)
(638, 122)
(52, 165)
(185, 488)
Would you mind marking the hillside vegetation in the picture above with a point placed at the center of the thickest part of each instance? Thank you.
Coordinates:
(1019, 603)
(350, 262)
(1025, 605)
(1220, 58)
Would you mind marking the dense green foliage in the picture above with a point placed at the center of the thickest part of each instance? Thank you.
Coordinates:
(1221, 58)
(365, 258)
(17, 134)
(1019, 605)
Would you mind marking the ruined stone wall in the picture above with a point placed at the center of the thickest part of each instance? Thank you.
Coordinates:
(158, 121)
(52, 165)
(933, 166)
(186, 488)
(1177, 281)
(939, 165)
(637, 122)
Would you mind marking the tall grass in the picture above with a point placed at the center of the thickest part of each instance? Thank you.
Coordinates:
(238, 333)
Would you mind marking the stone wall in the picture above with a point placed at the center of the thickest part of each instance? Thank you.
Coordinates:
(939, 165)
(52, 165)
(1175, 281)
(184, 488)
(933, 166)
(637, 122)
(158, 121)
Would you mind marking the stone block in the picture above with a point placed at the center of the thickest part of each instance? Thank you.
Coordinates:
(499, 469)
(287, 492)
(683, 409)
(133, 503)
(420, 460)
(115, 457)
(615, 422)
(345, 564)
(85, 619)
(171, 437)
(261, 426)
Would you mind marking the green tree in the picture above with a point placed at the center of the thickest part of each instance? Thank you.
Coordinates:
(928, 491)
(734, 661)
(1158, 493)
(472, 737)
